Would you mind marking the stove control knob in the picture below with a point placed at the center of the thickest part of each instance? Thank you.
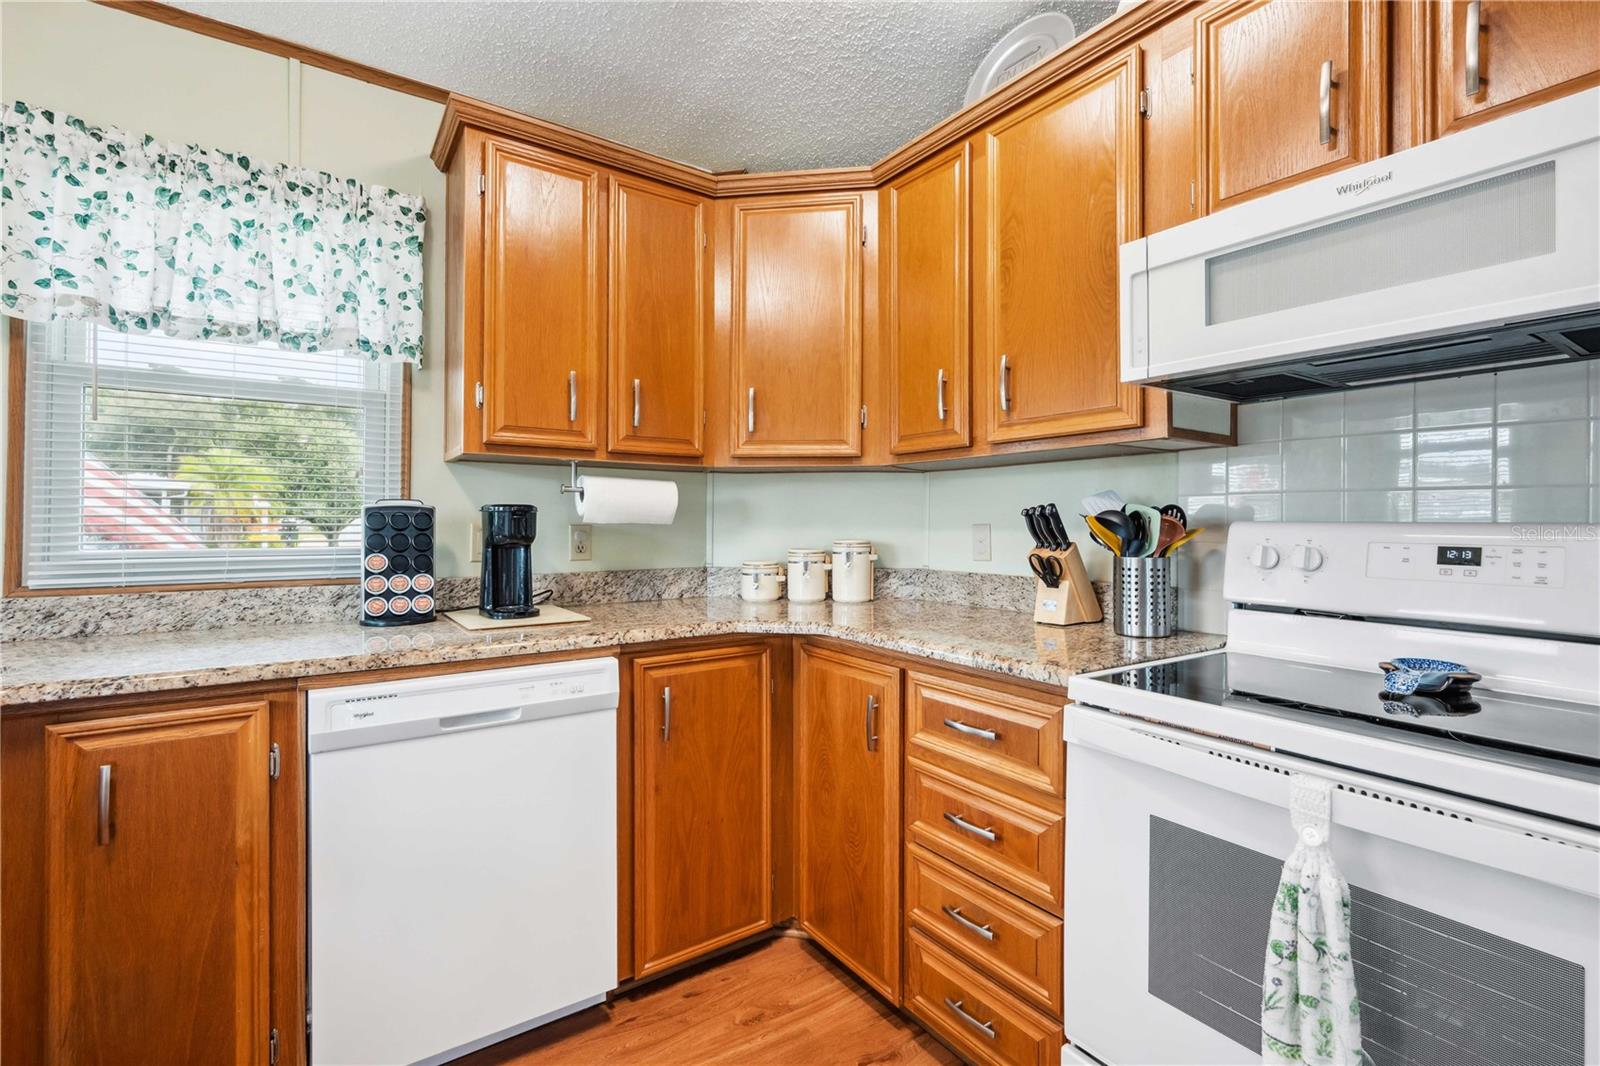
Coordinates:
(1264, 556)
(1306, 558)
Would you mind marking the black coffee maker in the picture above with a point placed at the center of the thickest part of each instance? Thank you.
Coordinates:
(505, 584)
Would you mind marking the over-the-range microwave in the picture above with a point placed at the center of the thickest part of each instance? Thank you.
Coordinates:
(1478, 251)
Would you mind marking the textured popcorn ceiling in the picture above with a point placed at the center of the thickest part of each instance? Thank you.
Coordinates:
(722, 85)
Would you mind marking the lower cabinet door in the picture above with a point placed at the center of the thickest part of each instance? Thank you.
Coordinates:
(981, 1020)
(157, 892)
(702, 841)
(847, 794)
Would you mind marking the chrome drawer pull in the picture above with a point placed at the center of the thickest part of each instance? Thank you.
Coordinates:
(1325, 103)
(971, 730)
(985, 931)
(572, 396)
(939, 404)
(976, 830)
(986, 1028)
(666, 713)
(1005, 383)
(103, 836)
(1474, 32)
(872, 723)
(635, 403)
(750, 410)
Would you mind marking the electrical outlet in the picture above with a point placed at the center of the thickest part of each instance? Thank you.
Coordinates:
(475, 545)
(981, 549)
(580, 542)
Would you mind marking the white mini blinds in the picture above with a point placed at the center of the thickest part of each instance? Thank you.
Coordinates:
(156, 461)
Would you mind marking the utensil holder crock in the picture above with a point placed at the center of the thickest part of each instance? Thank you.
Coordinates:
(1143, 600)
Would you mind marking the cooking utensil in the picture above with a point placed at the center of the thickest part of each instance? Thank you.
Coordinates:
(1033, 527)
(1046, 568)
(1186, 538)
(1102, 535)
(1058, 528)
(1171, 530)
(1104, 500)
(1148, 521)
(1176, 513)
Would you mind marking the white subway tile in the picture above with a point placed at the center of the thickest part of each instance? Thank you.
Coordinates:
(1312, 507)
(1450, 458)
(1203, 471)
(1378, 461)
(1541, 453)
(1321, 415)
(1544, 393)
(1378, 409)
(1455, 401)
(1255, 467)
(1594, 453)
(1260, 421)
(1255, 507)
(1378, 506)
(1544, 503)
(1314, 464)
(1455, 505)
(1210, 512)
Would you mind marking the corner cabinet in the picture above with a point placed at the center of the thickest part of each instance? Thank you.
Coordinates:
(702, 802)
(847, 804)
(795, 331)
(1058, 193)
(542, 299)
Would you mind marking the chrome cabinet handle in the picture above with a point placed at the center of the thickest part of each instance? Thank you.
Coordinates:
(872, 723)
(971, 730)
(635, 403)
(985, 931)
(666, 713)
(1474, 31)
(1005, 383)
(986, 1028)
(103, 836)
(985, 832)
(750, 411)
(572, 396)
(1325, 103)
(940, 395)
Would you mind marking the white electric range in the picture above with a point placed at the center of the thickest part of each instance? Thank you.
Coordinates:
(1468, 826)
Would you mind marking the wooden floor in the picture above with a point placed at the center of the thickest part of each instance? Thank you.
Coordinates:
(779, 1003)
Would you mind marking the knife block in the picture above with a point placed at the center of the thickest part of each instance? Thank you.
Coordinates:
(1071, 602)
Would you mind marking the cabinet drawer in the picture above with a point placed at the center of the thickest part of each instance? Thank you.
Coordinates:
(1018, 943)
(985, 1023)
(1005, 740)
(1015, 845)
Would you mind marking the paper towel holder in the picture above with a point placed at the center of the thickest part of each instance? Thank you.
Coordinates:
(574, 488)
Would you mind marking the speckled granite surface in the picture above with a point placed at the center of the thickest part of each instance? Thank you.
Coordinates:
(1007, 642)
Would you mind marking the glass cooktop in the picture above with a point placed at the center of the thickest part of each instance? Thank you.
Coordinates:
(1491, 720)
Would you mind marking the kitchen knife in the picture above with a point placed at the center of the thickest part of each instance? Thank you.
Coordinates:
(1058, 528)
(1033, 527)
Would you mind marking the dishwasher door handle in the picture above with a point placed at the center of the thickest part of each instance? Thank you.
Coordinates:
(479, 719)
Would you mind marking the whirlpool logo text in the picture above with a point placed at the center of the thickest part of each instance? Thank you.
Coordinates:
(1356, 188)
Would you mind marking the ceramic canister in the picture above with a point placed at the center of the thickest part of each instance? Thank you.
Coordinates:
(852, 570)
(761, 582)
(808, 575)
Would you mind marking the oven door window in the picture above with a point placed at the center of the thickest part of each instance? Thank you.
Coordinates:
(1434, 992)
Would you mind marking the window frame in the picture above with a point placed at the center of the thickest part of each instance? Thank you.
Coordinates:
(16, 494)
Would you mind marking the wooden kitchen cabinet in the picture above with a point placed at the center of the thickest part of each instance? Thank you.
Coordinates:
(139, 904)
(795, 326)
(847, 811)
(1524, 52)
(1262, 68)
(1060, 191)
(543, 297)
(702, 825)
(1170, 184)
(926, 225)
(659, 304)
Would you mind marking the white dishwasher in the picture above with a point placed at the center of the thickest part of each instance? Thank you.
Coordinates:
(463, 859)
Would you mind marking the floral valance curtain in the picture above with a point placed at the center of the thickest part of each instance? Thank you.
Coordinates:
(198, 243)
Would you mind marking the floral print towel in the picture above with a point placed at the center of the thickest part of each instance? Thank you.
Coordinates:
(144, 237)
(1309, 1009)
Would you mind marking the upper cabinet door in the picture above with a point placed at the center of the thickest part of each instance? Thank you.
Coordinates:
(1171, 189)
(1289, 90)
(658, 319)
(543, 292)
(157, 887)
(925, 255)
(1494, 56)
(796, 326)
(1061, 193)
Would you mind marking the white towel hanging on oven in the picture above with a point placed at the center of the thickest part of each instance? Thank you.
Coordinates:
(1309, 1010)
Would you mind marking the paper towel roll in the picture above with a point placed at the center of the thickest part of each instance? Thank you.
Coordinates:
(610, 500)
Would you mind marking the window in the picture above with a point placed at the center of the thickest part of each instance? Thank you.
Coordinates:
(155, 461)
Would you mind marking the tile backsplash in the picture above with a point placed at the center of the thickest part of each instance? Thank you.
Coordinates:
(1522, 446)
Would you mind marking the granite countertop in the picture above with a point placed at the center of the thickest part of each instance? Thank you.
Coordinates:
(1007, 642)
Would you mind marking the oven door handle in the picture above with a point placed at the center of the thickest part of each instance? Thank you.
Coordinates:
(1538, 848)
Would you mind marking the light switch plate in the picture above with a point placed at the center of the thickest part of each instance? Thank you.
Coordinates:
(982, 550)
(580, 542)
(475, 545)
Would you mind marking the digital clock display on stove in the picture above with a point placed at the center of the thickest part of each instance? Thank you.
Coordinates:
(1456, 555)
